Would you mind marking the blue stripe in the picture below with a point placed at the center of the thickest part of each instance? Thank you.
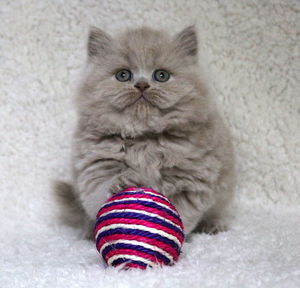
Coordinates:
(144, 203)
(139, 192)
(126, 260)
(140, 216)
(138, 232)
(138, 248)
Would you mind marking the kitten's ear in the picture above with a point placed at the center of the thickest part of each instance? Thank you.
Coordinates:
(99, 42)
(186, 42)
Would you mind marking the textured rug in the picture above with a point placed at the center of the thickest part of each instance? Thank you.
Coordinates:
(251, 48)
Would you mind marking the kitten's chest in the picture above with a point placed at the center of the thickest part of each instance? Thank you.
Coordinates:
(142, 155)
(151, 155)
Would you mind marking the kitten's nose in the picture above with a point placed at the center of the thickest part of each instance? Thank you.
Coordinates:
(142, 85)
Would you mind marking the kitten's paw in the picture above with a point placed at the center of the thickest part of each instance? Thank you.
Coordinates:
(115, 188)
(87, 235)
(128, 179)
(211, 227)
(87, 231)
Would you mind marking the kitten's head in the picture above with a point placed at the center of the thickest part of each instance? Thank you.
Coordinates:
(142, 81)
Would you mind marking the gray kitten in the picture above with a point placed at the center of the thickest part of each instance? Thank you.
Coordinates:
(146, 119)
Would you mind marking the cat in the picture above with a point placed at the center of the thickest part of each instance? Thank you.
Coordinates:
(146, 118)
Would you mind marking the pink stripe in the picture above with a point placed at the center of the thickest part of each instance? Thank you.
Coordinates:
(145, 196)
(154, 242)
(141, 208)
(148, 190)
(142, 188)
(134, 253)
(140, 222)
(131, 265)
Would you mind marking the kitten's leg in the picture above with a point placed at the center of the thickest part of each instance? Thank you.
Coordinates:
(128, 178)
(217, 218)
(213, 222)
(72, 211)
(192, 206)
(96, 184)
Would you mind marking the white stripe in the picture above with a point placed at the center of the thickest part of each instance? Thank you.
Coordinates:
(139, 227)
(147, 192)
(140, 212)
(142, 199)
(134, 242)
(131, 257)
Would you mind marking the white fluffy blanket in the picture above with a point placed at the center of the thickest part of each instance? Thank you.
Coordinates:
(251, 47)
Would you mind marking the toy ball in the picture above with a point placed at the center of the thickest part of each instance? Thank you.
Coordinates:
(138, 228)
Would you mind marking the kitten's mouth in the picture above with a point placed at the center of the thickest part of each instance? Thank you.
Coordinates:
(141, 99)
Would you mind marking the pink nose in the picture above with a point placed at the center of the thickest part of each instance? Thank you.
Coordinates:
(142, 85)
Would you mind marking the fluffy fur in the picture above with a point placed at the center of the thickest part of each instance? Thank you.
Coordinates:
(172, 139)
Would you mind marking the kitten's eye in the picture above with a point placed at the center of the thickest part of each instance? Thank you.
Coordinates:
(161, 75)
(123, 75)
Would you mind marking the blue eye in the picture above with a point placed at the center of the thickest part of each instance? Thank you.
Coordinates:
(161, 75)
(123, 75)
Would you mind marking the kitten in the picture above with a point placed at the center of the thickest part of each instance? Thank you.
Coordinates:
(146, 119)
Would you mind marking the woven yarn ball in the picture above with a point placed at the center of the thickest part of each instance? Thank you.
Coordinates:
(138, 228)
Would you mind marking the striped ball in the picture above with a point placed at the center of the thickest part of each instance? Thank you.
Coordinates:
(138, 228)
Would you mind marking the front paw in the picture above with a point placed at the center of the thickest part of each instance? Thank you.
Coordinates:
(116, 187)
(124, 181)
(211, 227)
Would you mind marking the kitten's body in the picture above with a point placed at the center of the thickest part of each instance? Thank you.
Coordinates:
(172, 140)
